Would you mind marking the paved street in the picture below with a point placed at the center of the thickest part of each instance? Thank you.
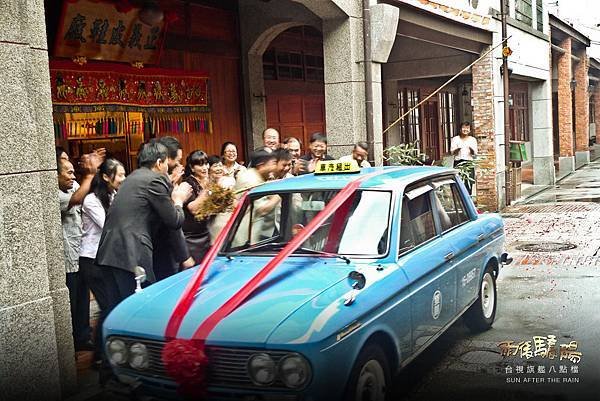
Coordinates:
(542, 293)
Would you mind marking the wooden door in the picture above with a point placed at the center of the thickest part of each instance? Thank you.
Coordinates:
(296, 115)
(431, 132)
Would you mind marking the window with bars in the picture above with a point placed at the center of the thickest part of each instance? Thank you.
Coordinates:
(294, 66)
(523, 11)
(410, 127)
(592, 109)
(539, 9)
(519, 116)
(447, 118)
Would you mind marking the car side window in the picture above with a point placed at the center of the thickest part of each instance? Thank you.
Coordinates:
(450, 208)
(416, 222)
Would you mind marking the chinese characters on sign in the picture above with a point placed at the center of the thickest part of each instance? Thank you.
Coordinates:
(541, 347)
(98, 31)
(336, 166)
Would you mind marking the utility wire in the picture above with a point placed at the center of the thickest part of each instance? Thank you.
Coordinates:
(444, 85)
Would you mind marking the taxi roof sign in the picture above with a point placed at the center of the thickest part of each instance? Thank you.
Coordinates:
(336, 167)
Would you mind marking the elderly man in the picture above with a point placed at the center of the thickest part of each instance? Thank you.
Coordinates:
(294, 147)
(71, 195)
(271, 139)
(360, 153)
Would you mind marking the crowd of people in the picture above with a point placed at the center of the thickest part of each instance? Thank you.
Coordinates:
(112, 224)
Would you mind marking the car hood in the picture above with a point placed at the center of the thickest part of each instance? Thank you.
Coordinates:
(286, 290)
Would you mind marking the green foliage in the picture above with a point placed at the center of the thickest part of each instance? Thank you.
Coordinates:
(406, 154)
(464, 168)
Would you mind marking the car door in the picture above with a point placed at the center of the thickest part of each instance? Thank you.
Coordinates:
(464, 234)
(423, 258)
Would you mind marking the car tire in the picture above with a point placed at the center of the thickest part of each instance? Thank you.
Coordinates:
(480, 316)
(370, 378)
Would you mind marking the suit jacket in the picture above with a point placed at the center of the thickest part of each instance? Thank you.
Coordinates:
(140, 209)
(170, 250)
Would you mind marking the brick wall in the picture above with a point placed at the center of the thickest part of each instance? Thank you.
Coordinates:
(483, 128)
(597, 113)
(565, 118)
(582, 106)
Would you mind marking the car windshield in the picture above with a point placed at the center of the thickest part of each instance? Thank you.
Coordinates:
(268, 221)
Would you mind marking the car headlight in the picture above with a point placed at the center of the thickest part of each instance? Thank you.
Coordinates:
(261, 369)
(294, 370)
(138, 356)
(116, 350)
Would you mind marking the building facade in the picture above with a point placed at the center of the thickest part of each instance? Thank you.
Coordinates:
(349, 68)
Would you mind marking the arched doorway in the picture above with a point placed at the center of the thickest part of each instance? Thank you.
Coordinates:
(294, 83)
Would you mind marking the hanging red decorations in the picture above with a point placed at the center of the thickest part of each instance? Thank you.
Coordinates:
(171, 101)
(109, 84)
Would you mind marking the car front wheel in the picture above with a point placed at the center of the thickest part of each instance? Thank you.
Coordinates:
(480, 316)
(370, 376)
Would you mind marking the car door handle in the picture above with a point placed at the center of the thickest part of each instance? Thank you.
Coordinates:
(449, 256)
(481, 237)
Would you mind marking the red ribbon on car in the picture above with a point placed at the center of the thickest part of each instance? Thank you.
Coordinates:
(185, 360)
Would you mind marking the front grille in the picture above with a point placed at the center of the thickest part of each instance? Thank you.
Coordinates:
(227, 366)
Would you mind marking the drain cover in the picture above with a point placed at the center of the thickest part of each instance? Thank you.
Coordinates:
(545, 246)
(481, 357)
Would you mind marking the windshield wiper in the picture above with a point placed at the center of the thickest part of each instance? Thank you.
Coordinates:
(331, 254)
(282, 244)
(256, 247)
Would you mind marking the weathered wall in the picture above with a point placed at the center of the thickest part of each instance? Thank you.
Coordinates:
(36, 350)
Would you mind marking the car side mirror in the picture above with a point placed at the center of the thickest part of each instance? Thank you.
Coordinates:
(140, 277)
(357, 280)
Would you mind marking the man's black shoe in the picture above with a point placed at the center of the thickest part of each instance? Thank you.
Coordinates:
(86, 346)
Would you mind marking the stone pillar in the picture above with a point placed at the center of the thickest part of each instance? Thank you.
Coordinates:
(543, 147)
(344, 83)
(582, 111)
(483, 127)
(565, 118)
(257, 99)
(36, 346)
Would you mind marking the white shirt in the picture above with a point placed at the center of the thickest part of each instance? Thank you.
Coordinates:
(71, 229)
(349, 158)
(93, 216)
(464, 146)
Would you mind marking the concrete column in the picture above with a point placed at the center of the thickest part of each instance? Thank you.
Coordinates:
(582, 111)
(543, 152)
(565, 118)
(260, 23)
(483, 127)
(344, 84)
(36, 345)
(257, 100)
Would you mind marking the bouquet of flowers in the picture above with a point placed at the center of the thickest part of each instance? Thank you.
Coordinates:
(219, 200)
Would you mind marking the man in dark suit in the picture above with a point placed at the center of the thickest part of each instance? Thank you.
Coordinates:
(145, 202)
(172, 252)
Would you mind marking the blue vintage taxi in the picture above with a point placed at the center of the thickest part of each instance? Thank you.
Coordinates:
(372, 287)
